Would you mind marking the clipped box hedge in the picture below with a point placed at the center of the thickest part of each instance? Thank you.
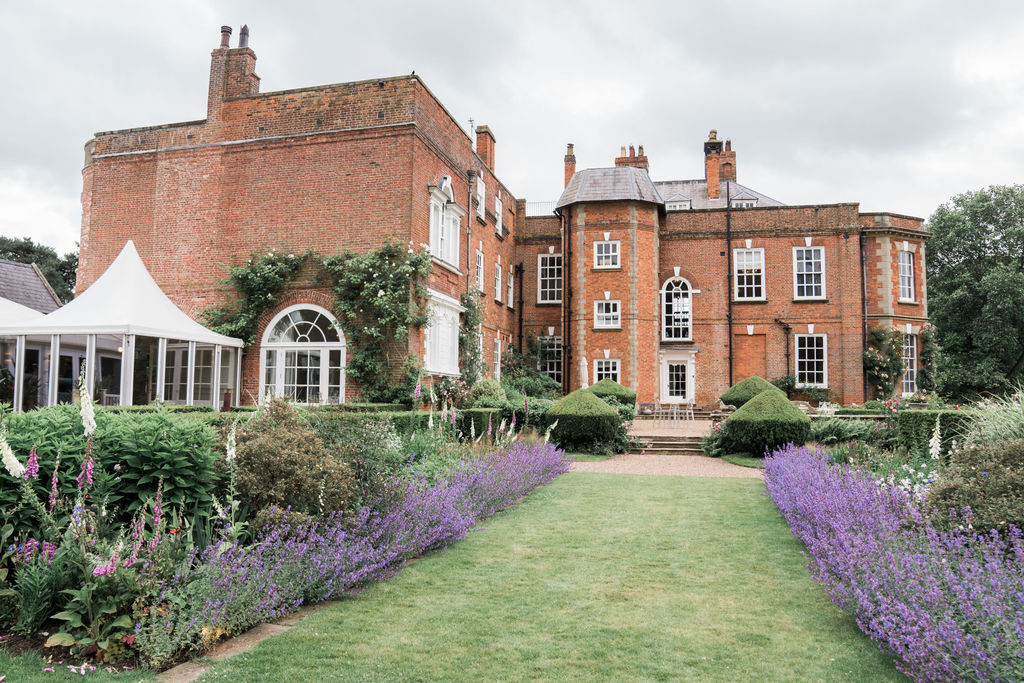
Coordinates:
(584, 422)
(764, 423)
(407, 421)
(609, 388)
(914, 428)
(744, 390)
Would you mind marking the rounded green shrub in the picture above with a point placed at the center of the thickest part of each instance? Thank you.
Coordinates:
(744, 390)
(282, 461)
(585, 422)
(486, 388)
(607, 387)
(989, 479)
(764, 423)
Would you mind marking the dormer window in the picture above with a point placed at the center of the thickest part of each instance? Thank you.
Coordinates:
(681, 205)
(744, 203)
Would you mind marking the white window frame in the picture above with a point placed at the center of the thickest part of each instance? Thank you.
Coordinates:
(611, 317)
(441, 335)
(280, 349)
(908, 382)
(541, 258)
(678, 206)
(906, 275)
(511, 288)
(744, 203)
(497, 358)
(820, 250)
(445, 223)
(549, 356)
(613, 255)
(479, 270)
(799, 350)
(497, 214)
(481, 193)
(688, 323)
(497, 282)
(610, 368)
(759, 273)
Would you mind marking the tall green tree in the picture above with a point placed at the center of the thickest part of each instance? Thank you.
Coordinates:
(975, 271)
(59, 271)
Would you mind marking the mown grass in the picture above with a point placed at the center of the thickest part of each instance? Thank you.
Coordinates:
(594, 577)
(31, 667)
(744, 460)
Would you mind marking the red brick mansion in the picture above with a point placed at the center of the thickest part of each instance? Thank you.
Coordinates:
(674, 288)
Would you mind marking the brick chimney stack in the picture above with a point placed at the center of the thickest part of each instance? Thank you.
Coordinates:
(570, 163)
(635, 160)
(727, 163)
(712, 164)
(232, 71)
(485, 145)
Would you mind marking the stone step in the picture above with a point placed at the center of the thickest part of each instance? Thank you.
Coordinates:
(667, 451)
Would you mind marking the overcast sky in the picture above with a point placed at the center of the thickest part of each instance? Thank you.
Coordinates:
(897, 105)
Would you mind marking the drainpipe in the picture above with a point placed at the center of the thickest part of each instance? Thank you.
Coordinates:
(864, 307)
(728, 256)
(787, 329)
(471, 174)
(519, 279)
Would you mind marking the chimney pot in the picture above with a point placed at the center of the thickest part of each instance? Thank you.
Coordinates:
(243, 36)
(632, 151)
(641, 150)
(570, 163)
(622, 153)
(728, 145)
(225, 36)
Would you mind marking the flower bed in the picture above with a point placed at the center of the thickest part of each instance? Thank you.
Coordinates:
(948, 604)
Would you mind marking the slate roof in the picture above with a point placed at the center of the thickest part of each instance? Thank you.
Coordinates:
(697, 192)
(610, 184)
(23, 283)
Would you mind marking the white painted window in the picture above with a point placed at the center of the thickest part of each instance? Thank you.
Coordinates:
(549, 357)
(808, 272)
(678, 206)
(480, 196)
(510, 299)
(445, 222)
(480, 270)
(744, 203)
(549, 278)
(606, 254)
(497, 358)
(676, 310)
(497, 215)
(748, 272)
(906, 265)
(606, 314)
(303, 356)
(606, 368)
(497, 282)
(811, 360)
(441, 338)
(909, 364)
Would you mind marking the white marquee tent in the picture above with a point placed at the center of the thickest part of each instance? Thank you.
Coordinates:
(126, 302)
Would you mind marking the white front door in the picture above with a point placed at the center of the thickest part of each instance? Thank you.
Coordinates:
(678, 376)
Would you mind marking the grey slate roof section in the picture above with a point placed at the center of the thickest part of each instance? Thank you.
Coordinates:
(697, 191)
(610, 184)
(23, 283)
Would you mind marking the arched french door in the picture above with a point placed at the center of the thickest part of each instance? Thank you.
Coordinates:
(302, 356)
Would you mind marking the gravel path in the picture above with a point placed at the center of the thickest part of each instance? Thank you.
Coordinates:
(679, 465)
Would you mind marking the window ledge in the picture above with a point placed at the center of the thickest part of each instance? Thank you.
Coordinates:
(550, 303)
(441, 373)
(607, 329)
(811, 300)
(681, 342)
(610, 268)
(444, 264)
(908, 302)
(750, 301)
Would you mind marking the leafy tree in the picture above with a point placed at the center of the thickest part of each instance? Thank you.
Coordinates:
(59, 271)
(976, 289)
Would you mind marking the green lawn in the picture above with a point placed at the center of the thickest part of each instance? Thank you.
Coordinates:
(31, 668)
(744, 460)
(595, 576)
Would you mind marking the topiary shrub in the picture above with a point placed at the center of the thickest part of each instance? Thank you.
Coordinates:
(539, 386)
(989, 479)
(744, 390)
(914, 428)
(282, 461)
(764, 423)
(585, 423)
(486, 388)
(607, 387)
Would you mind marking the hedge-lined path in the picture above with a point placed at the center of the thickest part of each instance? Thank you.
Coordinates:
(591, 577)
(676, 465)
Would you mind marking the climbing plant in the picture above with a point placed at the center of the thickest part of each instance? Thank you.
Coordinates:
(378, 296)
(471, 354)
(258, 284)
(883, 360)
(927, 359)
